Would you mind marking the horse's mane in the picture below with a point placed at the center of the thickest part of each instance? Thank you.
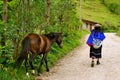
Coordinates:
(50, 35)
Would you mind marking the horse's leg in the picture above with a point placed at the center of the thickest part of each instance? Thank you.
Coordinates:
(26, 66)
(42, 61)
(46, 65)
(31, 59)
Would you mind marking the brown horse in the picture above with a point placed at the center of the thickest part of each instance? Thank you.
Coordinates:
(37, 44)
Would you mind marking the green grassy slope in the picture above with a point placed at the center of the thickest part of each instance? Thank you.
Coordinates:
(95, 11)
(113, 1)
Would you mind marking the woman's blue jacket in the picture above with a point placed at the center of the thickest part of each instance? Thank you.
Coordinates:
(98, 35)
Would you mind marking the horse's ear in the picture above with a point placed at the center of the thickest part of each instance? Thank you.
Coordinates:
(65, 35)
(60, 33)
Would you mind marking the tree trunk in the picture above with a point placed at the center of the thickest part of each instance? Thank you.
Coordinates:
(4, 18)
(60, 21)
(28, 12)
(47, 12)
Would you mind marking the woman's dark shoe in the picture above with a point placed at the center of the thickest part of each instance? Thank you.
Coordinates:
(98, 62)
(92, 64)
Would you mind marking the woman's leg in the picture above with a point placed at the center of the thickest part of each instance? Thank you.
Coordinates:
(92, 63)
(98, 62)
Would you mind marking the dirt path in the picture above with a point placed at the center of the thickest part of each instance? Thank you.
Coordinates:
(76, 65)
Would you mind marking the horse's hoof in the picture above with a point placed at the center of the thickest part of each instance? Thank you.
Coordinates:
(33, 72)
(39, 74)
(27, 74)
(48, 70)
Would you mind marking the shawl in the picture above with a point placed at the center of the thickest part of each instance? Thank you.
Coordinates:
(98, 35)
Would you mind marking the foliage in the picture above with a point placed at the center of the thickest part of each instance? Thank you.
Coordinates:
(118, 32)
(113, 5)
(100, 13)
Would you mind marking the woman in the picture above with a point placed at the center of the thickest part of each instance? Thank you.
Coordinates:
(95, 53)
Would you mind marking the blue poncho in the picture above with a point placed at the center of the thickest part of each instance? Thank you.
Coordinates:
(97, 35)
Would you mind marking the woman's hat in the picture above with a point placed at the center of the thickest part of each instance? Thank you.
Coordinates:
(97, 25)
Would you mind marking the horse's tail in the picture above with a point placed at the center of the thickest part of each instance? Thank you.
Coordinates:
(24, 52)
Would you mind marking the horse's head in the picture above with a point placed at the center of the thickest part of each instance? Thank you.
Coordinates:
(59, 39)
(56, 37)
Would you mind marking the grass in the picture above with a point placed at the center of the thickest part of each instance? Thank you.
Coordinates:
(113, 1)
(95, 11)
